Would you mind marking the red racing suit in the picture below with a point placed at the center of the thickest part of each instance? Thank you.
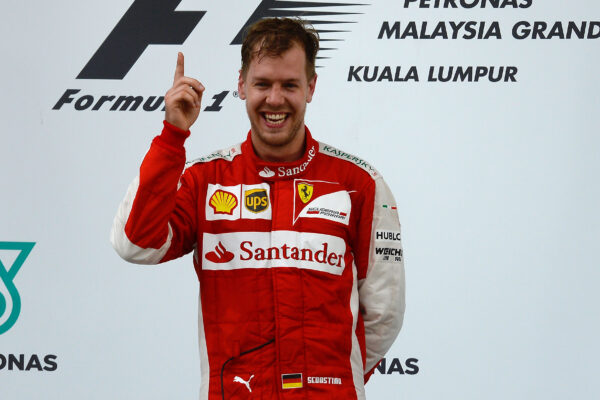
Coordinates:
(300, 264)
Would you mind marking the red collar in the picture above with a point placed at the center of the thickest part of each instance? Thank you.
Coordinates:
(273, 171)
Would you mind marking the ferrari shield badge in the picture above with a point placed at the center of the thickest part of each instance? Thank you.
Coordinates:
(305, 191)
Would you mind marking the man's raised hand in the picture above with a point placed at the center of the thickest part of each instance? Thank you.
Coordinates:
(183, 100)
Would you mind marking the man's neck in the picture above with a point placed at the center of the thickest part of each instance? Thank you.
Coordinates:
(286, 153)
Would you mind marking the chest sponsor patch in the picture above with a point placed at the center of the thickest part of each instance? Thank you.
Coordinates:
(256, 200)
(276, 249)
(305, 191)
(219, 255)
(287, 170)
(321, 199)
(225, 202)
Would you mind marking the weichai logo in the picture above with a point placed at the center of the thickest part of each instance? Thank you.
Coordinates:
(10, 300)
(256, 200)
(158, 22)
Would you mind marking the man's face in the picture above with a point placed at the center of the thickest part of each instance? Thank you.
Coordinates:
(276, 90)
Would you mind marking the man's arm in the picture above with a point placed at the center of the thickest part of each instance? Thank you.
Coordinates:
(381, 282)
(156, 219)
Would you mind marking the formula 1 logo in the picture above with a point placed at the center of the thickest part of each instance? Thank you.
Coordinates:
(10, 301)
(149, 22)
(145, 22)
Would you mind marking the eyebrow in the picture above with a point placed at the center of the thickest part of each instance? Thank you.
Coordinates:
(266, 79)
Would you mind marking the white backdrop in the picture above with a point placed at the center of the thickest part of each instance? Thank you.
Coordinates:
(497, 187)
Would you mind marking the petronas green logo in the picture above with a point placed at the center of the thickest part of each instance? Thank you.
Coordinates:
(10, 301)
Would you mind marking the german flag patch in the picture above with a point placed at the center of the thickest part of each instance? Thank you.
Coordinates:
(291, 381)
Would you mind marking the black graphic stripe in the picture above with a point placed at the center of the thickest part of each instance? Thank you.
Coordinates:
(305, 10)
(302, 4)
(305, 13)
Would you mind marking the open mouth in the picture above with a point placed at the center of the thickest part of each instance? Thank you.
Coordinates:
(275, 119)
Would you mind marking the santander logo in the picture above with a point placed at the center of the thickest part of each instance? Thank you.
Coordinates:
(266, 172)
(282, 171)
(220, 255)
(276, 249)
(321, 255)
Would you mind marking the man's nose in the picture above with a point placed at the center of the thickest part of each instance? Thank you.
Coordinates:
(275, 96)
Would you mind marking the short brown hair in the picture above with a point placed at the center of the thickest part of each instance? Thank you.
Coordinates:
(274, 36)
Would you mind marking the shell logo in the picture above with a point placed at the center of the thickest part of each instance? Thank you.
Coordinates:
(223, 202)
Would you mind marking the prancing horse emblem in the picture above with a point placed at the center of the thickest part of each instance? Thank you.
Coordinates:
(305, 190)
(247, 383)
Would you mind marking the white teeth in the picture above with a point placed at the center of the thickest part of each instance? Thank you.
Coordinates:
(275, 118)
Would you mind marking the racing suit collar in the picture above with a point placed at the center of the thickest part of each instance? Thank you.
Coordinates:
(273, 171)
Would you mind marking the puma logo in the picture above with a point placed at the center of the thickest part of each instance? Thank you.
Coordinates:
(247, 383)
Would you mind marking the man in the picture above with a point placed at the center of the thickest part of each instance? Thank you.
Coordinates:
(296, 244)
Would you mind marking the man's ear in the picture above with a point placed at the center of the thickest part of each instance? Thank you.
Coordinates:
(241, 90)
(311, 88)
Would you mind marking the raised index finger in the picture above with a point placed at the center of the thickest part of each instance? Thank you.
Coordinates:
(179, 67)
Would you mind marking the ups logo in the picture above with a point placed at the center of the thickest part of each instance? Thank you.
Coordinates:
(256, 200)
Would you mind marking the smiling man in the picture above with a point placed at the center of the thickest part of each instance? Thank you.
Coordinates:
(296, 243)
(277, 87)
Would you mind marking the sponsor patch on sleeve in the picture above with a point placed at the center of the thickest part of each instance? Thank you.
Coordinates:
(388, 253)
(387, 236)
(388, 246)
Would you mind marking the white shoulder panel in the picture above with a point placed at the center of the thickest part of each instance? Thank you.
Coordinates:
(227, 154)
(334, 152)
